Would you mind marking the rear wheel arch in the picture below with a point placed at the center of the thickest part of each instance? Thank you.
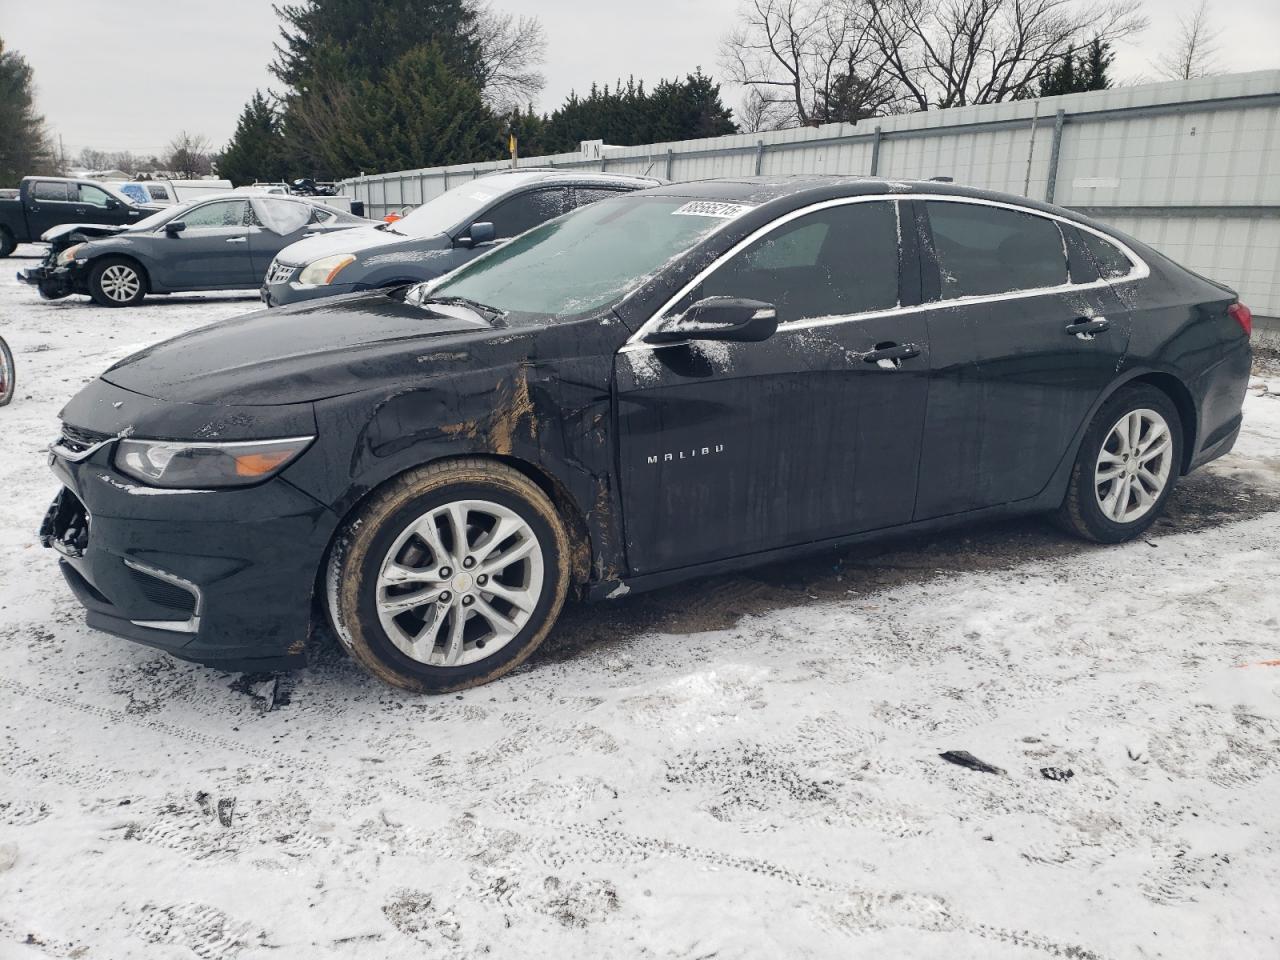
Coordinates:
(1176, 391)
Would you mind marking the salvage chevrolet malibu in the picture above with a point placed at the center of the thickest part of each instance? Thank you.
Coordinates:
(667, 384)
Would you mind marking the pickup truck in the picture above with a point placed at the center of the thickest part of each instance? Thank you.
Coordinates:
(46, 202)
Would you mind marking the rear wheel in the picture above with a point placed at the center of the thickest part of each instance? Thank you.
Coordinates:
(7, 243)
(449, 577)
(1127, 466)
(116, 282)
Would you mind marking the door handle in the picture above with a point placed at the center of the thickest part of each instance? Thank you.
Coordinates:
(237, 240)
(889, 356)
(1084, 328)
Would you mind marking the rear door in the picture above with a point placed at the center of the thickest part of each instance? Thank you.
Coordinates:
(729, 449)
(213, 251)
(50, 203)
(1024, 338)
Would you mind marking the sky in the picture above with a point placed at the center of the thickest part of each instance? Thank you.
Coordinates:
(129, 74)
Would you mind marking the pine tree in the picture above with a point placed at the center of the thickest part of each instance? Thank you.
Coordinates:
(1078, 72)
(25, 147)
(256, 150)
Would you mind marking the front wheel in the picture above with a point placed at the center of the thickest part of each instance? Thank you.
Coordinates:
(116, 282)
(1127, 466)
(449, 577)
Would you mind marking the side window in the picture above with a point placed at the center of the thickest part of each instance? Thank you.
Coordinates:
(48, 190)
(985, 250)
(319, 215)
(832, 263)
(1111, 261)
(158, 192)
(93, 195)
(585, 195)
(224, 213)
(517, 214)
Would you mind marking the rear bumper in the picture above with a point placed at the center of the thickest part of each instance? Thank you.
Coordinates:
(224, 578)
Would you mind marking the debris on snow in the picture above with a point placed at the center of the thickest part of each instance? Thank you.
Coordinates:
(963, 758)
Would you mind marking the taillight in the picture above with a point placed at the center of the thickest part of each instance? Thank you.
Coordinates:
(1243, 316)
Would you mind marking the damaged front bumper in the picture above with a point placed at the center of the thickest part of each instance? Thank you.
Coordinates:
(52, 282)
(221, 577)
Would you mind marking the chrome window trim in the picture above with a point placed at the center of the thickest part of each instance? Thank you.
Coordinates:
(192, 623)
(1139, 272)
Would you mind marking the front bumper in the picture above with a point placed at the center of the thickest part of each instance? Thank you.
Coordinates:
(290, 291)
(54, 283)
(224, 578)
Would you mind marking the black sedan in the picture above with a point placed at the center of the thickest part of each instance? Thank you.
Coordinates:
(673, 383)
(224, 242)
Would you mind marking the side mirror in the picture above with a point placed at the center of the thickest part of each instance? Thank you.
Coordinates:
(719, 318)
(174, 227)
(113, 203)
(479, 233)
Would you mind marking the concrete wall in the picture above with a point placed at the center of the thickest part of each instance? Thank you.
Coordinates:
(1191, 167)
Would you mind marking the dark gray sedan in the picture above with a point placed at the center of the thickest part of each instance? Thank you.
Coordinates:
(216, 243)
(439, 236)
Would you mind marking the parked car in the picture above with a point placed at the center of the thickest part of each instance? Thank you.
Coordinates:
(213, 244)
(674, 383)
(442, 234)
(46, 202)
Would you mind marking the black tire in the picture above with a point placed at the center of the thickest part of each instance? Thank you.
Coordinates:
(370, 537)
(110, 269)
(1082, 512)
(7, 243)
(7, 375)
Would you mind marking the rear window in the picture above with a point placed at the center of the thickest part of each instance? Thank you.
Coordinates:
(984, 250)
(1110, 259)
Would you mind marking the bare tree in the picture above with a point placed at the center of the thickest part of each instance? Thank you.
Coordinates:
(1196, 47)
(951, 53)
(188, 155)
(806, 62)
(511, 50)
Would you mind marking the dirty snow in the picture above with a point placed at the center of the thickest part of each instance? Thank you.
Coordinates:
(743, 767)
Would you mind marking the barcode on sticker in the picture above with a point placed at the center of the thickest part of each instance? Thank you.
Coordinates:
(711, 208)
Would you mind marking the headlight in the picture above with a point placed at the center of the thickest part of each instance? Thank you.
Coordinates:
(198, 466)
(322, 271)
(69, 254)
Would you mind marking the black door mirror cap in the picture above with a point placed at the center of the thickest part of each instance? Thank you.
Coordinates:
(480, 232)
(719, 318)
(174, 227)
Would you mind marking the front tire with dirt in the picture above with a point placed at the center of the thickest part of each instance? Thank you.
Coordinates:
(450, 576)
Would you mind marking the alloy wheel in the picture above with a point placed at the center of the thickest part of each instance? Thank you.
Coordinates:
(1134, 466)
(120, 283)
(459, 583)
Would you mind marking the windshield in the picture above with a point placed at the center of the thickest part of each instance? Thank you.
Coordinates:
(454, 207)
(586, 259)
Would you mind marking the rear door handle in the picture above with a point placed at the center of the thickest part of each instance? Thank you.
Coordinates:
(889, 356)
(1084, 328)
(237, 240)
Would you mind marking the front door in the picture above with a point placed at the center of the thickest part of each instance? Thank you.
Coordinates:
(213, 251)
(1023, 342)
(729, 449)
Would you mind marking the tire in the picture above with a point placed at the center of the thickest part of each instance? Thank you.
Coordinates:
(7, 243)
(117, 282)
(7, 375)
(421, 647)
(1114, 495)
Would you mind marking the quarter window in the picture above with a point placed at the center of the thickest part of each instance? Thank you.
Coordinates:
(515, 215)
(985, 250)
(832, 263)
(47, 190)
(224, 213)
(1111, 261)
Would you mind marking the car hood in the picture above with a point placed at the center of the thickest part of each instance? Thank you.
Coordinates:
(307, 352)
(360, 241)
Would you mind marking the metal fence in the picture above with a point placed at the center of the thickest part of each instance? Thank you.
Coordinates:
(1191, 167)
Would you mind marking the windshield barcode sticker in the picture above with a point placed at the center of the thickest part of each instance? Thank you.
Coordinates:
(711, 208)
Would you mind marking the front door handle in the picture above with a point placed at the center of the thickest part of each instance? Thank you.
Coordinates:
(237, 240)
(889, 356)
(1084, 328)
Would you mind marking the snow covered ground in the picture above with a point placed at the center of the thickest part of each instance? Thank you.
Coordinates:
(742, 767)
